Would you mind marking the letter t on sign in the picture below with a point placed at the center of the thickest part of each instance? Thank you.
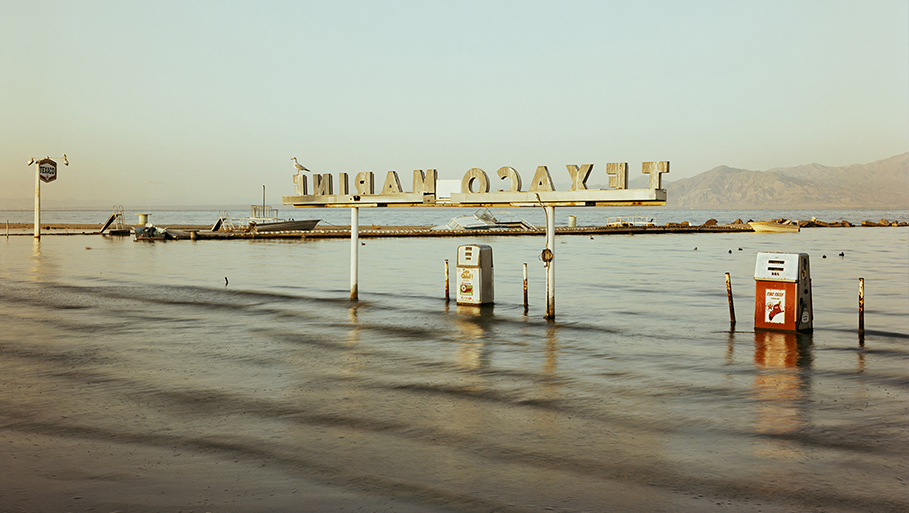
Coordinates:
(655, 170)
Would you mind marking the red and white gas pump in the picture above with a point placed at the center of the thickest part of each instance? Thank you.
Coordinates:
(782, 300)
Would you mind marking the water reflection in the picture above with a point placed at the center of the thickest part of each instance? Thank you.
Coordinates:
(730, 348)
(352, 364)
(782, 349)
(553, 382)
(781, 389)
(37, 262)
(472, 323)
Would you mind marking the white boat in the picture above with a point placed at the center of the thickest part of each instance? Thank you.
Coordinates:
(482, 220)
(778, 226)
(262, 218)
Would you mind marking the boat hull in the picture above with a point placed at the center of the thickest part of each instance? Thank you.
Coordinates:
(285, 226)
(773, 227)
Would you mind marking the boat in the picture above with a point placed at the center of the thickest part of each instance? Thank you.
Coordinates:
(482, 220)
(776, 226)
(262, 218)
(152, 232)
(284, 226)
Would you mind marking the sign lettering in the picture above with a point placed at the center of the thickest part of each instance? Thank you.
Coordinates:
(618, 174)
(475, 176)
(579, 176)
(392, 184)
(475, 188)
(541, 180)
(47, 170)
(512, 175)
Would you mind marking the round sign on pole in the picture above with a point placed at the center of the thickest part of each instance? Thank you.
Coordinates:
(47, 170)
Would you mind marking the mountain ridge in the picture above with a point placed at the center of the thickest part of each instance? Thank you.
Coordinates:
(880, 184)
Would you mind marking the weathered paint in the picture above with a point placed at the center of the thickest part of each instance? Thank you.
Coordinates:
(447, 274)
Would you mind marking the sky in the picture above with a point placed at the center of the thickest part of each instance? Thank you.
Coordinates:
(205, 102)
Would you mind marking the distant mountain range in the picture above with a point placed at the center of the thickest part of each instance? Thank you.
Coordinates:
(882, 184)
(879, 185)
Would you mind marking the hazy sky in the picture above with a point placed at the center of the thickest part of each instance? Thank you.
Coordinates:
(192, 102)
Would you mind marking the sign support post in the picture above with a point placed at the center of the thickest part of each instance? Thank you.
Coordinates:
(45, 171)
(37, 200)
(354, 250)
(550, 264)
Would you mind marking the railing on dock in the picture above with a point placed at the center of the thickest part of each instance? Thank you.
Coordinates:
(629, 221)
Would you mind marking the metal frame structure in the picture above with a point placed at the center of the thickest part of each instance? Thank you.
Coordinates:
(474, 192)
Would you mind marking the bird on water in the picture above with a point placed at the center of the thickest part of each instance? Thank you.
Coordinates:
(299, 166)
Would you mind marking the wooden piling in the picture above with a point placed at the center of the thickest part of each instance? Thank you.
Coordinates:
(447, 297)
(525, 285)
(731, 306)
(861, 326)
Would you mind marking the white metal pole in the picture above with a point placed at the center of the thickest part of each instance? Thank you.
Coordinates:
(550, 269)
(37, 201)
(354, 249)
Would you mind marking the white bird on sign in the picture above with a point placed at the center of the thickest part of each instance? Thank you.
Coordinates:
(299, 166)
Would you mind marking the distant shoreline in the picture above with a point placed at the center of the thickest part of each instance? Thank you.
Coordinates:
(204, 231)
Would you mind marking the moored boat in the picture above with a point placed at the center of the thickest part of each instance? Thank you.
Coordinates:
(482, 219)
(151, 232)
(283, 226)
(778, 226)
(262, 218)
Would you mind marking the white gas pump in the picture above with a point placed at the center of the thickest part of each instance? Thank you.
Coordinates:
(475, 274)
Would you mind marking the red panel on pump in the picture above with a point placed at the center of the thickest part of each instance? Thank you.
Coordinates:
(775, 306)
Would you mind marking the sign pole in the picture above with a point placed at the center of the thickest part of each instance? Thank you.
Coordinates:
(37, 200)
(550, 267)
(354, 249)
(45, 171)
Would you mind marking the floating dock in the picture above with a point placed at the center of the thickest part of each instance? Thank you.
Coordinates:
(428, 231)
(203, 232)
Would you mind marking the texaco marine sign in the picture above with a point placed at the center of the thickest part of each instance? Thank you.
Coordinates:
(475, 187)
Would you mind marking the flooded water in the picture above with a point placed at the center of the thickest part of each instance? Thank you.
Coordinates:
(237, 376)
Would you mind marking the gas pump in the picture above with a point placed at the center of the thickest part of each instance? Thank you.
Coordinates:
(782, 300)
(475, 274)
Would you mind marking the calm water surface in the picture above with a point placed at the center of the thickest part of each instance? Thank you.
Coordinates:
(133, 377)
